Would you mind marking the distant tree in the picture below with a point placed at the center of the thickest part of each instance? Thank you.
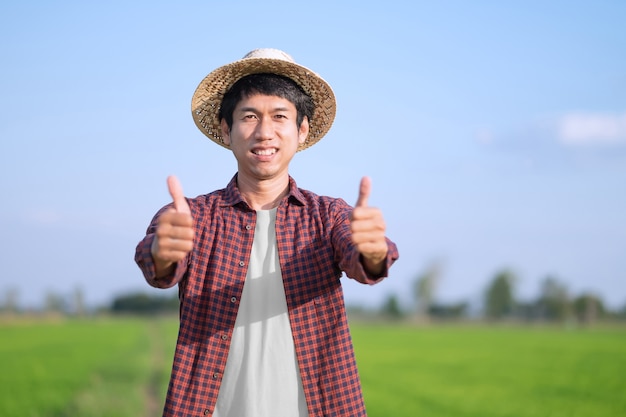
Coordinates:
(79, 301)
(448, 311)
(11, 300)
(499, 300)
(527, 310)
(391, 308)
(553, 303)
(588, 308)
(424, 289)
(141, 303)
(55, 303)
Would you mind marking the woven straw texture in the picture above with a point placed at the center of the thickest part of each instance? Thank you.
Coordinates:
(206, 101)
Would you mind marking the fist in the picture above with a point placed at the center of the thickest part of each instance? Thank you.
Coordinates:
(368, 230)
(174, 233)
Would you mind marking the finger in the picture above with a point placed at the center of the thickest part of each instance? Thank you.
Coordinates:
(364, 192)
(176, 191)
(173, 219)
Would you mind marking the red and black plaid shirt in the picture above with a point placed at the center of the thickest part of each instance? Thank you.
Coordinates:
(314, 247)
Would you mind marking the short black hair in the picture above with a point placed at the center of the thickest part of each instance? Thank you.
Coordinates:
(270, 85)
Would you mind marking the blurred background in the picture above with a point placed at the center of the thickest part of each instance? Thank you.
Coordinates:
(494, 134)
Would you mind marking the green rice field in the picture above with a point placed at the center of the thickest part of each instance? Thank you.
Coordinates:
(120, 367)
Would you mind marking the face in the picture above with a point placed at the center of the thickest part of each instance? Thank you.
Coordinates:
(264, 136)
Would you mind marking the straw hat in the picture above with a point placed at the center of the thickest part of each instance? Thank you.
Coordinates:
(207, 98)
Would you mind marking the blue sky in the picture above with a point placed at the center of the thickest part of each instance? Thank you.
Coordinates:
(494, 134)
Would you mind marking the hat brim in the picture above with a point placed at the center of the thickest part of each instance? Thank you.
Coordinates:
(207, 99)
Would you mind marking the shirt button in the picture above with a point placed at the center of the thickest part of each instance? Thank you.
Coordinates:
(206, 412)
(224, 337)
(215, 375)
(241, 263)
(233, 300)
(248, 227)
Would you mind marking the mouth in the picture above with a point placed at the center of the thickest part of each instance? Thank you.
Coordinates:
(264, 152)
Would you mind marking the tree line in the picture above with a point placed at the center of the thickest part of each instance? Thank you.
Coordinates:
(73, 304)
(554, 303)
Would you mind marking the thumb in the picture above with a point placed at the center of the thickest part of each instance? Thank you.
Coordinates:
(176, 191)
(364, 192)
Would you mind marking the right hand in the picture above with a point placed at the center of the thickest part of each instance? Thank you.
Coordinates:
(174, 233)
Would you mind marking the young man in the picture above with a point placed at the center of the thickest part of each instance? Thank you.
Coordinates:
(263, 327)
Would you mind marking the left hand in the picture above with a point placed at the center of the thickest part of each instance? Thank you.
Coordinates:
(368, 230)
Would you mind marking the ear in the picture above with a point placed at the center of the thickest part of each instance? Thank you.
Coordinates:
(225, 132)
(303, 133)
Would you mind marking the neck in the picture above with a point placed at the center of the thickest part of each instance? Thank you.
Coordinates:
(263, 194)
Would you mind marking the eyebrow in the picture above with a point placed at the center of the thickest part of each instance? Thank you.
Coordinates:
(254, 109)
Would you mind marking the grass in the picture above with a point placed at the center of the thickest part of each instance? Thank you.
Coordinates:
(120, 367)
(96, 368)
(492, 371)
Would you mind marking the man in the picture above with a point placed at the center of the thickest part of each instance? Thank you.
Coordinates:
(263, 327)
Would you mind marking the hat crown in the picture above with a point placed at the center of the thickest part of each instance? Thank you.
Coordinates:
(269, 53)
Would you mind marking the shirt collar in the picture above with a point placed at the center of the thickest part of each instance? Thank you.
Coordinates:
(232, 196)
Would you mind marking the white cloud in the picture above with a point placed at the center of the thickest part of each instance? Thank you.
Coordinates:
(592, 129)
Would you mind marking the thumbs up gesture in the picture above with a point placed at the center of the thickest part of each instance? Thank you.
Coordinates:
(368, 231)
(174, 233)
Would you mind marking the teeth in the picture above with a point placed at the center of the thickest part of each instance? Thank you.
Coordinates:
(264, 151)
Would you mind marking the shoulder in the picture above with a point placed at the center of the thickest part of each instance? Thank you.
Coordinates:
(209, 201)
(309, 198)
(331, 206)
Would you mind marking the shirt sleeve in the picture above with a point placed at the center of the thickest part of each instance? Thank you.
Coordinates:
(347, 256)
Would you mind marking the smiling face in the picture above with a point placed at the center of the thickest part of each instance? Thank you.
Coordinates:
(264, 136)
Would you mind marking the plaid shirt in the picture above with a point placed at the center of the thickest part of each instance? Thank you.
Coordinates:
(314, 247)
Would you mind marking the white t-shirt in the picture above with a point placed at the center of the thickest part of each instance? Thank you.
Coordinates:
(262, 377)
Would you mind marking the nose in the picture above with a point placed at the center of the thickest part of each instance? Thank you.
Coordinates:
(264, 129)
